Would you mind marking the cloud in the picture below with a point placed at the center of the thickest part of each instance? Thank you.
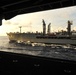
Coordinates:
(9, 22)
(6, 22)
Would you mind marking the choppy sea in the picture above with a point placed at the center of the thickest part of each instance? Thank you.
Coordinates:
(67, 52)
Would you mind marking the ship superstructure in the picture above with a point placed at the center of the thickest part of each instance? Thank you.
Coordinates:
(52, 38)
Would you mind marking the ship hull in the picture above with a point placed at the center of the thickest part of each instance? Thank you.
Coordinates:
(31, 37)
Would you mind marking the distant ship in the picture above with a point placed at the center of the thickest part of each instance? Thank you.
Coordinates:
(51, 38)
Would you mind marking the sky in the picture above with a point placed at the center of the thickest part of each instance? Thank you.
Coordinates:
(32, 22)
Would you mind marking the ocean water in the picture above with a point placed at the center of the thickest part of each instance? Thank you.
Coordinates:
(66, 52)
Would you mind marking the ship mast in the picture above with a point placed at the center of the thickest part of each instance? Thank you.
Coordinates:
(44, 27)
(69, 27)
(20, 28)
(48, 31)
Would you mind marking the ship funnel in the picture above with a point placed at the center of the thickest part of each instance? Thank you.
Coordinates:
(44, 27)
(69, 27)
(48, 30)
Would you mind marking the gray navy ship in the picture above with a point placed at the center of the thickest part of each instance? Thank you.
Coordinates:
(63, 37)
